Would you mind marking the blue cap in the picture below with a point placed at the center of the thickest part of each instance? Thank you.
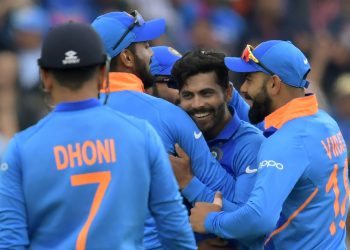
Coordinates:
(281, 57)
(112, 26)
(163, 60)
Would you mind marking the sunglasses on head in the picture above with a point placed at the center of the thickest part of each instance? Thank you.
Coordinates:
(138, 20)
(168, 80)
(248, 55)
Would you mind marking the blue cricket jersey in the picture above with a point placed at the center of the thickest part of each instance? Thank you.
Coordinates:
(236, 148)
(302, 184)
(173, 126)
(84, 177)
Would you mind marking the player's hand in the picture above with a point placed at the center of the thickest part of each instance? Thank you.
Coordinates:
(181, 166)
(201, 210)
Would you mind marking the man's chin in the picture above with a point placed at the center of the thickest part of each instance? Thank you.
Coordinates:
(256, 117)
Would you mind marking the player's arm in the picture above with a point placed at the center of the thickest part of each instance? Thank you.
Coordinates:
(13, 225)
(246, 165)
(192, 188)
(274, 183)
(165, 201)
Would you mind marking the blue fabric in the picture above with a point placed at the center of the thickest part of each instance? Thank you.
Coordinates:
(295, 164)
(175, 126)
(113, 25)
(236, 148)
(73, 106)
(239, 143)
(281, 57)
(42, 208)
(163, 60)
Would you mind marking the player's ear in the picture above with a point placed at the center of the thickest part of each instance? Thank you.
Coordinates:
(127, 58)
(46, 81)
(229, 92)
(275, 85)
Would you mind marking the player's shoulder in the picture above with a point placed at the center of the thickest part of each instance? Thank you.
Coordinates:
(286, 140)
(29, 132)
(168, 111)
(153, 104)
(122, 119)
(247, 128)
(157, 103)
(248, 134)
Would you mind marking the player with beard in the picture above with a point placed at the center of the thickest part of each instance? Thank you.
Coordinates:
(165, 86)
(302, 180)
(261, 104)
(125, 39)
(205, 93)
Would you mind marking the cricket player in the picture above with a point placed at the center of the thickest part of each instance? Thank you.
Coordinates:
(125, 37)
(86, 176)
(302, 183)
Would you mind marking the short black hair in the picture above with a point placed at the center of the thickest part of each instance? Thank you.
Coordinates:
(75, 78)
(201, 61)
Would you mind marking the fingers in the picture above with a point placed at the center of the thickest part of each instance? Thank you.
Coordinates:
(179, 151)
(218, 199)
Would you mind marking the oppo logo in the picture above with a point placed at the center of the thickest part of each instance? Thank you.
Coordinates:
(270, 163)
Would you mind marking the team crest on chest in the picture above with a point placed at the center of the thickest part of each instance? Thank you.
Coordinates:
(217, 153)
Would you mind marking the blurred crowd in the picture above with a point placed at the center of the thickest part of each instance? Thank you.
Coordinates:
(321, 28)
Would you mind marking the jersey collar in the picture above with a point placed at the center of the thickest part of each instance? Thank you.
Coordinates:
(119, 81)
(299, 107)
(230, 128)
(79, 105)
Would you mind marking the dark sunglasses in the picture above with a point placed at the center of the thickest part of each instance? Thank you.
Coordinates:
(248, 55)
(138, 20)
(168, 80)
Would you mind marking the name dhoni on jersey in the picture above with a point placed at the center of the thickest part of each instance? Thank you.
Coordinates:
(85, 153)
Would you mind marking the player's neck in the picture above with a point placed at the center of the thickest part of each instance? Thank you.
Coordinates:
(87, 91)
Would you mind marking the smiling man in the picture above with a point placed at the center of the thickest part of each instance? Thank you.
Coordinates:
(125, 39)
(205, 92)
(302, 182)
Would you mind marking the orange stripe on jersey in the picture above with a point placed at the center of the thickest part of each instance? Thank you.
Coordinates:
(123, 81)
(298, 107)
(281, 228)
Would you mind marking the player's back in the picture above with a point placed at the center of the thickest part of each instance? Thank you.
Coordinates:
(314, 213)
(91, 189)
(154, 110)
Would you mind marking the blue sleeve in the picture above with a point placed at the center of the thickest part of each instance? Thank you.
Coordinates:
(204, 166)
(246, 164)
(165, 201)
(242, 108)
(279, 170)
(240, 105)
(13, 229)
